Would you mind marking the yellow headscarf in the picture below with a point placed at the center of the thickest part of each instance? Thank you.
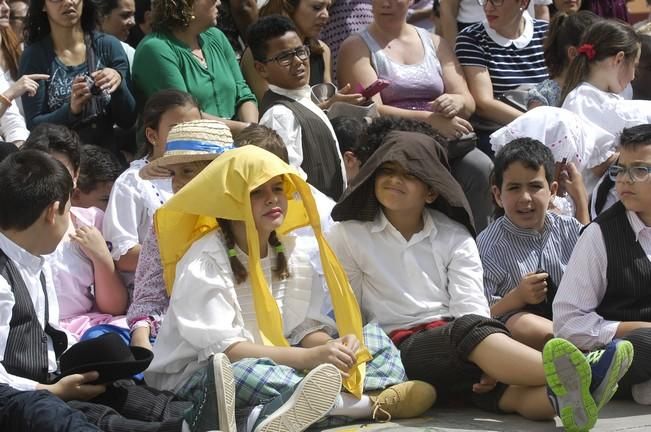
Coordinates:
(222, 190)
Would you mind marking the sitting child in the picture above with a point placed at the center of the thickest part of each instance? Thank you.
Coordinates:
(563, 39)
(283, 60)
(98, 171)
(256, 295)
(191, 146)
(524, 253)
(150, 298)
(348, 130)
(88, 288)
(604, 293)
(133, 200)
(571, 143)
(406, 243)
(34, 216)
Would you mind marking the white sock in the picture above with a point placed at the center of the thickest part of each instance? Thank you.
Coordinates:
(349, 406)
(185, 427)
(253, 417)
(642, 393)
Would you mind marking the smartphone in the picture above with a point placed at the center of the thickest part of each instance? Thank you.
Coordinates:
(375, 88)
(560, 167)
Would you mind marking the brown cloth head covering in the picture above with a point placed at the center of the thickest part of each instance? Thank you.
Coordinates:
(423, 157)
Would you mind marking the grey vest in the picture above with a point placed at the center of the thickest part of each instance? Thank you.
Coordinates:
(26, 351)
(320, 156)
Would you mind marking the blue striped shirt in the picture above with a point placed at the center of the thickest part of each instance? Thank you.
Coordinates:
(509, 63)
(509, 252)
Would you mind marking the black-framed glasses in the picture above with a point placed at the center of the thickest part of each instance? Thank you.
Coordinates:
(17, 18)
(637, 173)
(286, 58)
(495, 3)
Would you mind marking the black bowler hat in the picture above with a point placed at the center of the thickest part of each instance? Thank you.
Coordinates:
(106, 354)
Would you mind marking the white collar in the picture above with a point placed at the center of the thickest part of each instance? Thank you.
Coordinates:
(381, 223)
(521, 41)
(296, 94)
(33, 263)
(639, 227)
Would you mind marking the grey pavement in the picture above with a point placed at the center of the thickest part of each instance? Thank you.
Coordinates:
(616, 416)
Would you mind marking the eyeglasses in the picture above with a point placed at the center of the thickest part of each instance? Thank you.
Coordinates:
(286, 58)
(495, 3)
(637, 173)
(17, 18)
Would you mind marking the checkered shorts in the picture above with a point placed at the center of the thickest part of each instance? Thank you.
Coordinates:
(260, 380)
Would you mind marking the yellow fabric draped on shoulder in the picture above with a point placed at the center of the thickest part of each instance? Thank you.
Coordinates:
(222, 190)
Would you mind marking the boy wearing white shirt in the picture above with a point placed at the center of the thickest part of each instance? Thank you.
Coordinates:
(604, 292)
(35, 193)
(283, 60)
(407, 247)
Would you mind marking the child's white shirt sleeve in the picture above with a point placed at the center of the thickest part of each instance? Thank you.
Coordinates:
(581, 291)
(284, 122)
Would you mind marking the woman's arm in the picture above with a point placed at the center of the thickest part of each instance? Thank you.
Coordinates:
(35, 61)
(327, 61)
(449, 26)
(453, 80)
(481, 88)
(354, 67)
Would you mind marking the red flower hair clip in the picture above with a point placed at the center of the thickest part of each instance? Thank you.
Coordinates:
(588, 50)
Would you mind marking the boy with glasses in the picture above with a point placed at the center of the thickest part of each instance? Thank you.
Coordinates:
(282, 59)
(604, 292)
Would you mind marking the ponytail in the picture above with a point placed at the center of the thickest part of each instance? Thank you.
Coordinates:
(239, 271)
(603, 39)
(564, 31)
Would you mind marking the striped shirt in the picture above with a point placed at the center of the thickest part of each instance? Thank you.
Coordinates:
(509, 252)
(510, 63)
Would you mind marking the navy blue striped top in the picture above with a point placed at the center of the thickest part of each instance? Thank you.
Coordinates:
(509, 252)
(510, 63)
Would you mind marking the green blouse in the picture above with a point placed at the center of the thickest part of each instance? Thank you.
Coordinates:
(163, 62)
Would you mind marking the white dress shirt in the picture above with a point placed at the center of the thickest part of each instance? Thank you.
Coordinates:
(30, 268)
(208, 312)
(404, 283)
(282, 120)
(584, 285)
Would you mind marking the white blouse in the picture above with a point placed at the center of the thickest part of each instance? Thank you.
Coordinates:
(608, 114)
(208, 312)
(131, 207)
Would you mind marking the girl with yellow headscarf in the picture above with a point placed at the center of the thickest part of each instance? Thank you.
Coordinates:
(244, 287)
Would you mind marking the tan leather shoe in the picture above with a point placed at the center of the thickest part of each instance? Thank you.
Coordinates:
(405, 400)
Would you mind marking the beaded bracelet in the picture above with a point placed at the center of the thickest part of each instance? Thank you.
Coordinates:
(4, 100)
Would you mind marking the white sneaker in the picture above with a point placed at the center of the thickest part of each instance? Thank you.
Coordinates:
(225, 392)
(310, 401)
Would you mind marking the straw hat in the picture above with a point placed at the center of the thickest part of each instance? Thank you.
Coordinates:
(194, 141)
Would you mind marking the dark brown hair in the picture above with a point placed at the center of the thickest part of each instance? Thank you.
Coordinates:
(263, 137)
(564, 31)
(281, 271)
(607, 37)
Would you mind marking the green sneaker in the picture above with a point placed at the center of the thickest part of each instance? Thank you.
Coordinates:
(608, 366)
(569, 376)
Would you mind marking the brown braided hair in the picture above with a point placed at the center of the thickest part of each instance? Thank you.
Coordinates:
(281, 271)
